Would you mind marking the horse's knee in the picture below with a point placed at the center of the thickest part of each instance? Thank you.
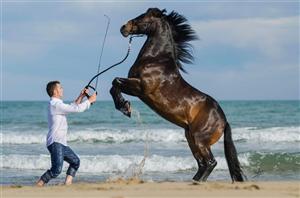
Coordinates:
(212, 163)
(112, 91)
(115, 92)
(116, 82)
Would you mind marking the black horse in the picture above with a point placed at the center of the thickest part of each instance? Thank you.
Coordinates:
(155, 79)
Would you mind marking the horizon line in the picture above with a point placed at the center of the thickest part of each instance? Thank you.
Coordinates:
(137, 100)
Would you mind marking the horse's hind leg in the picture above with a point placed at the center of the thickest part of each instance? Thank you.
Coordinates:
(206, 163)
(203, 155)
(200, 161)
(210, 163)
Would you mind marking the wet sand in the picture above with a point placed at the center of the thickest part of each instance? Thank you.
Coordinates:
(140, 189)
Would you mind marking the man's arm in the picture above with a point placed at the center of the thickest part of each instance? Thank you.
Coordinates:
(63, 108)
(78, 105)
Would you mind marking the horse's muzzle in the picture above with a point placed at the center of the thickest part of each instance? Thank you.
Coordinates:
(123, 31)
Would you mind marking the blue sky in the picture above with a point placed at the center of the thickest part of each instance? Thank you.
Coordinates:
(246, 51)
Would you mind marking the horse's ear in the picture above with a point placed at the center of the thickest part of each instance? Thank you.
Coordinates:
(156, 12)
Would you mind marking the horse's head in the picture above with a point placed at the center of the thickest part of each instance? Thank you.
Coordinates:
(143, 24)
(165, 25)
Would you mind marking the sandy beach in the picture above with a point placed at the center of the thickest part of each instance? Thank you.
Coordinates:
(136, 188)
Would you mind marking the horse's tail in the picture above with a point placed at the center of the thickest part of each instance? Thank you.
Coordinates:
(235, 170)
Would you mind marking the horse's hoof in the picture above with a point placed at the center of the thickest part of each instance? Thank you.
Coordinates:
(126, 109)
(128, 114)
(196, 178)
(194, 182)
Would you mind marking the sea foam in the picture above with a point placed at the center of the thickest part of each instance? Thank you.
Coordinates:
(111, 136)
(155, 163)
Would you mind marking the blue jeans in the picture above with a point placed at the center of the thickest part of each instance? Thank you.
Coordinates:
(60, 153)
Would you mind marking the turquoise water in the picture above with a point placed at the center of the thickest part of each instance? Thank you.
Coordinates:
(110, 145)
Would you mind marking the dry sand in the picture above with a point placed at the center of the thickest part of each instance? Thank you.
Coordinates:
(136, 188)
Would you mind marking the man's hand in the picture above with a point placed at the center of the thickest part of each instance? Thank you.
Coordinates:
(84, 92)
(93, 98)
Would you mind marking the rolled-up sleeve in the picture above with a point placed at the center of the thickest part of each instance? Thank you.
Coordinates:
(63, 108)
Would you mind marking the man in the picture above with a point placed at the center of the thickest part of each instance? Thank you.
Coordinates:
(57, 135)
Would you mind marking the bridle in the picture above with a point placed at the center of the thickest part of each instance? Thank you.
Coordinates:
(110, 67)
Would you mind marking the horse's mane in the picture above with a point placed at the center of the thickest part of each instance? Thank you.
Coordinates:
(182, 34)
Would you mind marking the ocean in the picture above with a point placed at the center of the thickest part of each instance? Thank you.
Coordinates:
(110, 145)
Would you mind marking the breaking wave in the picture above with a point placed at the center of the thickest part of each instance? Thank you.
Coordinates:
(156, 163)
(111, 136)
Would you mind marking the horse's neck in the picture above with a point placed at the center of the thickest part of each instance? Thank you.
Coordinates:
(157, 45)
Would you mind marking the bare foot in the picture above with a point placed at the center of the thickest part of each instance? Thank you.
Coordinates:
(40, 183)
(68, 180)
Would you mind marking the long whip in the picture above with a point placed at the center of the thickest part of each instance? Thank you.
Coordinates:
(103, 43)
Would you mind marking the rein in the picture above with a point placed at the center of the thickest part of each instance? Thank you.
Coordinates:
(105, 70)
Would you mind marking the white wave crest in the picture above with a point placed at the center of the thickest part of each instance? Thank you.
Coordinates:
(22, 138)
(103, 136)
(274, 134)
(113, 163)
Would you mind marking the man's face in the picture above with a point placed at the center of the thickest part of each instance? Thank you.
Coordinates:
(59, 91)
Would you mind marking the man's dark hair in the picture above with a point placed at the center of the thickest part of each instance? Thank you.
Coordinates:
(51, 86)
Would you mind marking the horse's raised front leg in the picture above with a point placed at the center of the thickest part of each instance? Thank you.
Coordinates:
(130, 86)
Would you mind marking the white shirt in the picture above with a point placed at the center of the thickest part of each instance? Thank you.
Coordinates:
(57, 121)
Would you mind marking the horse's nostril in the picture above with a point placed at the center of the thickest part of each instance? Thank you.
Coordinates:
(123, 31)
